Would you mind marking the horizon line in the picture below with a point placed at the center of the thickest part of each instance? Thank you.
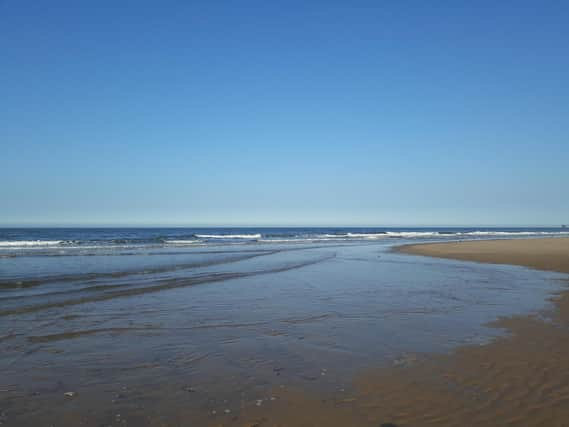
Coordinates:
(158, 225)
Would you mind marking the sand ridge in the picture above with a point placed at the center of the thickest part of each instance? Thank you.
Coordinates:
(540, 253)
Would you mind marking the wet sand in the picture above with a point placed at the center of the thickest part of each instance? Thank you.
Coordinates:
(347, 339)
(521, 379)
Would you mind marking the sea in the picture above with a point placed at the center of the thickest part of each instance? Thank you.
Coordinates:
(14, 241)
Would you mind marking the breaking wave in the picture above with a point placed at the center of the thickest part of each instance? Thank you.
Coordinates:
(27, 243)
(229, 236)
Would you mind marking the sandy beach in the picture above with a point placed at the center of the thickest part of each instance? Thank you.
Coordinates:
(343, 334)
(542, 254)
(521, 379)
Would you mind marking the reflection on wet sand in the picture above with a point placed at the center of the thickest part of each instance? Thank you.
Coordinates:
(156, 285)
(271, 340)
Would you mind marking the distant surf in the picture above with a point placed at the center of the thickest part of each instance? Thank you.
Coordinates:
(229, 236)
(66, 240)
(27, 243)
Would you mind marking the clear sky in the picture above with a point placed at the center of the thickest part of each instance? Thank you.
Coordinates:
(284, 113)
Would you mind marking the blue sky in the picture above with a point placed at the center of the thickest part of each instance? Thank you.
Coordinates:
(284, 113)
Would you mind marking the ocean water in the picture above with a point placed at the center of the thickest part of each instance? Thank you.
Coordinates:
(63, 240)
(232, 313)
(49, 266)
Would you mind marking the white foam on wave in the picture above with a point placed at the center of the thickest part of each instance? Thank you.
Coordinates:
(291, 240)
(411, 234)
(301, 239)
(441, 234)
(353, 236)
(367, 235)
(229, 236)
(27, 243)
(383, 235)
(182, 242)
(512, 233)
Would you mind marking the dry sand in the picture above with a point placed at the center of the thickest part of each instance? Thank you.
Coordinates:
(542, 254)
(518, 380)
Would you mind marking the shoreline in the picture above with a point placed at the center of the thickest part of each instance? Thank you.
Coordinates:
(520, 379)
